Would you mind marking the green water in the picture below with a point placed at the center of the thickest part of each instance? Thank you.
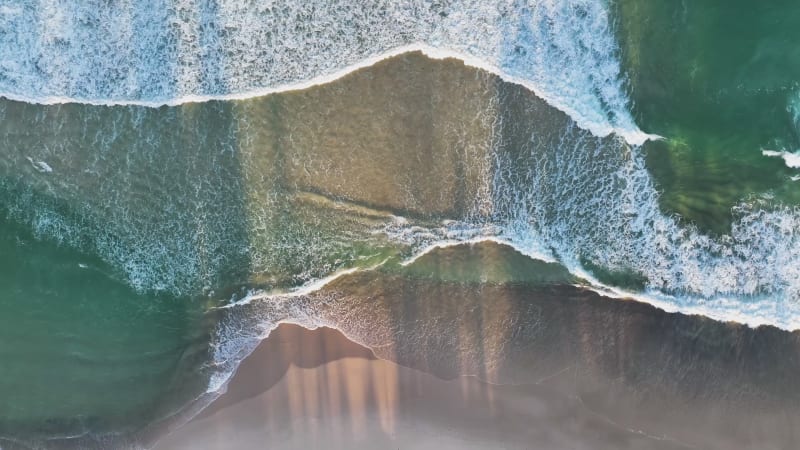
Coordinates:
(81, 352)
(719, 81)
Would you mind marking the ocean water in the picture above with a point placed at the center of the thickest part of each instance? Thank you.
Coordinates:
(85, 357)
(164, 165)
(720, 83)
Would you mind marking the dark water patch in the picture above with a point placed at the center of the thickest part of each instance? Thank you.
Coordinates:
(626, 279)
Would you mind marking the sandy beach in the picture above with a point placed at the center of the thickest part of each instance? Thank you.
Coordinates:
(317, 389)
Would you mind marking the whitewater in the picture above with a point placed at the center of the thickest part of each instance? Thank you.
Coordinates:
(591, 200)
(156, 53)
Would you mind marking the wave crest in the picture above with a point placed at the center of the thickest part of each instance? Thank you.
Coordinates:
(163, 52)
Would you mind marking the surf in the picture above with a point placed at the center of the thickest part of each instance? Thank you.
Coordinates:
(197, 52)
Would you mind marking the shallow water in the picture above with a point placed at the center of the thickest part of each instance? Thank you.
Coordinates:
(678, 380)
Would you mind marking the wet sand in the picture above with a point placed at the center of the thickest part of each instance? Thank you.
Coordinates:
(317, 389)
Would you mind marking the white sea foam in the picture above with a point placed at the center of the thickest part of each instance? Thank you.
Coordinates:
(697, 275)
(750, 276)
(242, 331)
(300, 291)
(791, 159)
(589, 201)
(40, 166)
(167, 52)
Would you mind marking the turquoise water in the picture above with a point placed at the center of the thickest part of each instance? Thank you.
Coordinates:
(145, 220)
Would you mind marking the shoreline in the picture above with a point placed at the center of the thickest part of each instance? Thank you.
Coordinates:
(660, 301)
(316, 388)
(318, 287)
(685, 378)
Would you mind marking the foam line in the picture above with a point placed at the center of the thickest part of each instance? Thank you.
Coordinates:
(169, 52)
(723, 309)
(633, 135)
(791, 159)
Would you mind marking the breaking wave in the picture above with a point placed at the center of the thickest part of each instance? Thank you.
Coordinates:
(162, 52)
